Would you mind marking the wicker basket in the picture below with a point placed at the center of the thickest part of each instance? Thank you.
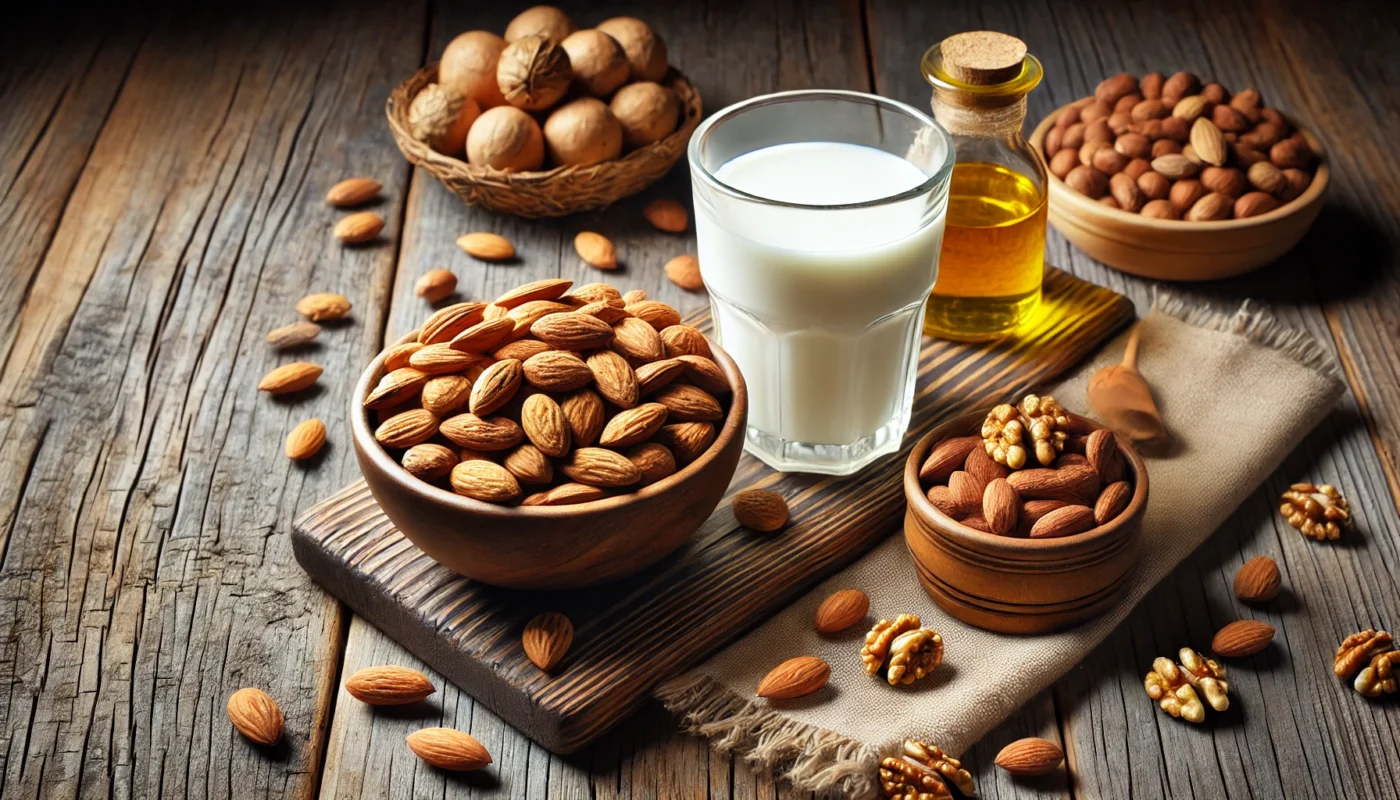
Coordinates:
(555, 192)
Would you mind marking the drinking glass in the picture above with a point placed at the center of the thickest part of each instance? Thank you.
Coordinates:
(819, 216)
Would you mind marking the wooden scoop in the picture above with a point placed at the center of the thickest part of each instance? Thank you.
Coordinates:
(1123, 400)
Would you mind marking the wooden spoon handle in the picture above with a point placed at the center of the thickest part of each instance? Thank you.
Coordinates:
(1131, 350)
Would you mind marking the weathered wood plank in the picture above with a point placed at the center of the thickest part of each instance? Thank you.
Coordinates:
(145, 573)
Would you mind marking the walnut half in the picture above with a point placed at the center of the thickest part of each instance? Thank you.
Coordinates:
(1317, 510)
(1174, 686)
(923, 772)
(903, 648)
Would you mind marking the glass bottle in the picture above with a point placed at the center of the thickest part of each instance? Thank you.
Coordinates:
(993, 259)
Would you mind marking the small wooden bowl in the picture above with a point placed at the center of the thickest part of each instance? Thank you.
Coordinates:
(551, 547)
(1177, 250)
(1010, 584)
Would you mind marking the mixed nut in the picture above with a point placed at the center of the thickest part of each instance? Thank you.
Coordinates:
(1173, 148)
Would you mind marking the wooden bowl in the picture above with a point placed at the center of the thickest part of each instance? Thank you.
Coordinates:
(1177, 250)
(546, 193)
(551, 547)
(1016, 585)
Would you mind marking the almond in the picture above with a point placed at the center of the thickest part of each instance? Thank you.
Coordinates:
(683, 340)
(520, 350)
(445, 324)
(484, 480)
(1033, 510)
(323, 306)
(981, 466)
(705, 374)
(655, 313)
(583, 411)
(1101, 450)
(1208, 142)
(396, 387)
(496, 386)
(840, 610)
(976, 522)
(1252, 204)
(545, 425)
(687, 403)
(289, 378)
(389, 686)
(667, 215)
(1190, 108)
(1258, 580)
(760, 509)
(547, 289)
(565, 494)
(306, 439)
(359, 228)
(684, 271)
(947, 456)
(441, 359)
(1027, 758)
(687, 440)
(448, 749)
(1001, 505)
(1175, 166)
(632, 426)
(1213, 206)
(1266, 177)
(353, 192)
(1291, 153)
(435, 285)
(657, 374)
(256, 715)
(594, 466)
(407, 428)
(795, 677)
(1075, 484)
(594, 293)
(607, 312)
(570, 330)
(596, 250)
(529, 465)
(489, 435)
(486, 246)
(1112, 500)
(633, 296)
(396, 357)
(299, 334)
(941, 498)
(428, 461)
(557, 371)
(614, 376)
(1065, 521)
(637, 339)
(547, 638)
(967, 492)
(654, 461)
(493, 311)
(1242, 638)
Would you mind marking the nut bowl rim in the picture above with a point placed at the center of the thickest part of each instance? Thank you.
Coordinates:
(362, 435)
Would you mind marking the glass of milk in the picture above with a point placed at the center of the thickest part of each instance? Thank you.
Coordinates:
(819, 216)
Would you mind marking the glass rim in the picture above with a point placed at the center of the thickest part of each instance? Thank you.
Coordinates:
(939, 175)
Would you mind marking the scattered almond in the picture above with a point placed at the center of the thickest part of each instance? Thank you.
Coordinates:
(256, 715)
(436, 284)
(448, 749)
(1027, 758)
(306, 439)
(667, 215)
(486, 246)
(353, 192)
(547, 638)
(840, 610)
(323, 306)
(795, 677)
(596, 250)
(684, 271)
(1258, 580)
(359, 228)
(289, 378)
(760, 509)
(1242, 638)
(296, 334)
(389, 686)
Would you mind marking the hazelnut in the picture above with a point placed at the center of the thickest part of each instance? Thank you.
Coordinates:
(534, 73)
(1178, 86)
(1291, 153)
(1154, 185)
(1098, 131)
(468, 66)
(1149, 109)
(1126, 192)
(1087, 181)
(1253, 204)
(1211, 207)
(1096, 110)
(1074, 136)
(505, 138)
(599, 64)
(1298, 182)
(1228, 119)
(1151, 85)
(648, 112)
(1164, 147)
(1159, 209)
(582, 132)
(646, 53)
(440, 118)
(1226, 180)
(546, 21)
(1133, 145)
(1136, 168)
(1184, 194)
(1066, 159)
(1109, 161)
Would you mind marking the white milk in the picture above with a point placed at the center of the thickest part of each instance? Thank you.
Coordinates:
(821, 308)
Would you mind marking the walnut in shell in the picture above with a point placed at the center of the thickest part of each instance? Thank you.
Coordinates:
(582, 132)
(1318, 511)
(506, 138)
(648, 111)
(468, 67)
(440, 118)
(534, 73)
(598, 62)
(646, 53)
(546, 21)
(880, 637)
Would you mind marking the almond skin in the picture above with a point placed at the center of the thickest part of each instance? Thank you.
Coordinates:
(323, 306)
(256, 715)
(571, 330)
(435, 285)
(486, 246)
(1242, 638)
(407, 428)
(389, 686)
(687, 440)
(667, 215)
(448, 749)
(353, 192)
(296, 334)
(557, 371)
(686, 403)
(840, 610)
(617, 383)
(488, 435)
(547, 638)
(795, 677)
(1027, 758)
(289, 378)
(684, 271)
(760, 510)
(596, 250)
(306, 439)
(637, 339)
(359, 228)
(1258, 580)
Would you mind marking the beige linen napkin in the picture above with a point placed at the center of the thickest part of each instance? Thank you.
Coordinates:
(1238, 392)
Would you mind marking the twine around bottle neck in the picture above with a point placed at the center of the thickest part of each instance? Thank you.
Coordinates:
(982, 117)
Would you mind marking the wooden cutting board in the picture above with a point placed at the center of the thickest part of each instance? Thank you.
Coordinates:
(631, 635)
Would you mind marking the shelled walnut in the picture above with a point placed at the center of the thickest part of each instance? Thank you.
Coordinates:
(1357, 649)
(1174, 686)
(1378, 677)
(1041, 419)
(903, 648)
(922, 772)
(1318, 511)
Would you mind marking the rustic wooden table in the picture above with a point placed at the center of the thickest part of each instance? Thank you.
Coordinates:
(161, 179)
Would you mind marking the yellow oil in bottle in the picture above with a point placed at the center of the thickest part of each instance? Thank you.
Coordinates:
(993, 258)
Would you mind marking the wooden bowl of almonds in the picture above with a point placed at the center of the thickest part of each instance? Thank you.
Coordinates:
(556, 438)
(1170, 179)
(1033, 549)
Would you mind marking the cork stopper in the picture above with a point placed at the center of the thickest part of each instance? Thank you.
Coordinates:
(983, 58)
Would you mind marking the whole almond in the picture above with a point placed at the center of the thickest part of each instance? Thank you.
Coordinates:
(359, 227)
(1178, 86)
(1089, 181)
(1101, 451)
(637, 339)
(547, 638)
(705, 374)
(1291, 153)
(594, 293)
(396, 357)
(633, 296)
(976, 522)
(760, 509)
(441, 359)
(483, 336)
(299, 334)
(445, 323)
(565, 494)
(488, 435)
(557, 371)
(529, 465)
(448, 749)
(353, 192)
(657, 374)
(496, 386)
(407, 428)
(946, 456)
(1184, 194)
(526, 315)
(435, 285)
(256, 715)
(289, 378)
(596, 250)
(1125, 190)
(607, 312)
(967, 492)
(981, 466)
(1252, 204)
(632, 426)
(655, 313)
(545, 425)
(427, 461)
(1209, 142)
(1266, 177)
(570, 330)
(795, 677)
(547, 289)
(614, 376)
(1075, 484)
(1190, 108)
(583, 411)
(389, 686)
(653, 460)
(1258, 580)
(1175, 166)
(486, 246)
(1229, 120)
(1027, 758)
(594, 466)
(1213, 206)
(1113, 87)
(686, 403)
(840, 610)
(1065, 521)
(667, 215)
(484, 480)
(1001, 506)
(1226, 180)
(941, 498)
(1033, 510)
(322, 306)
(1112, 500)
(1242, 638)
(396, 387)
(1298, 182)
(1159, 209)
(306, 439)
(687, 440)
(684, 271)
(521, 350)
